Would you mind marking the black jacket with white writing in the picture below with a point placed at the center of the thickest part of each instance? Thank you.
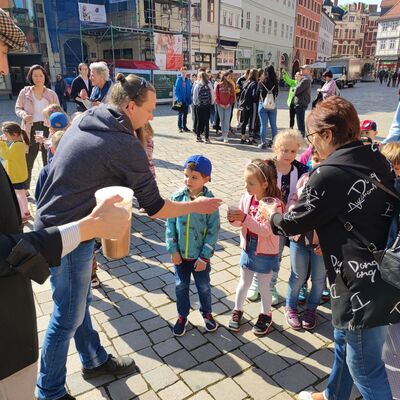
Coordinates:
(360, 298)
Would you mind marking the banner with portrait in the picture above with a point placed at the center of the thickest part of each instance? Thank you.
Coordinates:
(92, 13)
(168, 51)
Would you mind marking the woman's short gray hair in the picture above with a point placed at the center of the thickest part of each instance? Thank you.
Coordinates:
(101, 68)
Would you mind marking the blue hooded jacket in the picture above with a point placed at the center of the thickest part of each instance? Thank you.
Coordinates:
(182, 95)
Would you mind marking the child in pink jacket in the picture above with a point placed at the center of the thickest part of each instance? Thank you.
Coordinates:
(260, 247)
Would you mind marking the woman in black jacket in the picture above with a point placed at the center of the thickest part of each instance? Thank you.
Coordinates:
(362, 303)
(81, 82)
(267, 84)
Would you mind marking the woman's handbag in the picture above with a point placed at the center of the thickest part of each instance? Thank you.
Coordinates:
(177, 106)
(388, 258)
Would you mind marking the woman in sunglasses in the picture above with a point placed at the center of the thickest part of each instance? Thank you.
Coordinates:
(99, 150)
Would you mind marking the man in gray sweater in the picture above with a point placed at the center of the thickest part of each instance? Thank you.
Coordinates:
(302, 97)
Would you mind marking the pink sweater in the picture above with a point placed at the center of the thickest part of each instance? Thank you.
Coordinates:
(267, 243)
(25, 105)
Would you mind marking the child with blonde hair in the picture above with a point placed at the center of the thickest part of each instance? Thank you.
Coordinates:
(392, 152)
(13, 150)
(286, 145)
(260, 247)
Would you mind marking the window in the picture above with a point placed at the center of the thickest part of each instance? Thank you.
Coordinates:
(336, 35)
(297, 41)
(39, 9)
(392, 43)
(248, 19)
(257, 23)
(224, 18)
(237, 20)
(264, 25)
(299, 21)
(354, 34)
(282, 30)
(43, 47)
(383, 45)
(40, 22)
(242, 20)
(127, 53)
(197, 12)
(351, 19)
(384, 26)
(210, 10)
(275, 28)
(291, 32)
(269, 26)
(230, 19)
(287, 32)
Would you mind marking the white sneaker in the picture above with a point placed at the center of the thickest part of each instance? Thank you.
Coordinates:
(253, 293)
(226, 141)
(275, 296)
(305, 396)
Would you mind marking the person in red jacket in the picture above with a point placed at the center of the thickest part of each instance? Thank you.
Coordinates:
(224, 98)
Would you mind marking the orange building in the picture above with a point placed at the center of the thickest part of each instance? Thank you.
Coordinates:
(308, 17)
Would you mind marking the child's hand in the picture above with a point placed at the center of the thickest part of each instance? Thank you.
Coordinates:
(28, 119)
(176, 258)
(200, 265)
(237, 215)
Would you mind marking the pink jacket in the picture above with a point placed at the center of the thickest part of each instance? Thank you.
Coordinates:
(329, 89)
(25, 105)
(267, 243)
(292, 201)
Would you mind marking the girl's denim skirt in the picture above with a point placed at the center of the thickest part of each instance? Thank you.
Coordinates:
(260, 263)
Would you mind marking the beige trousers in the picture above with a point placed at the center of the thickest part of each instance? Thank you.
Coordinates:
(21, 385)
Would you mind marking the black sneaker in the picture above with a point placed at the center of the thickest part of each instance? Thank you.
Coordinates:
(180, 326)
(180, 130)
(67, 396)
(262, 325)
(243, 141)
(186, 130)
(234, 323)
(210, 323)
(199, 139)
(113, 366)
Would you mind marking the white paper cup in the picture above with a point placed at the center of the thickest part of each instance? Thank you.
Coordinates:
(39, 133)
(117, 248)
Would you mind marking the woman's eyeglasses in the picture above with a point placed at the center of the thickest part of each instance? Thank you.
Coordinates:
(309, 135)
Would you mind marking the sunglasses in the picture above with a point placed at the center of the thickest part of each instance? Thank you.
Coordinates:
(143, 84)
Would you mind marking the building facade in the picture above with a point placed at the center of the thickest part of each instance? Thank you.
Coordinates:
(388, 40)
(371, 32)
(308, 19)
(267, 31)
(325, 37)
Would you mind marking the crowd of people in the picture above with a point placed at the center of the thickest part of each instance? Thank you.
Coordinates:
(213, 98)
(390, 77)
(315, 202)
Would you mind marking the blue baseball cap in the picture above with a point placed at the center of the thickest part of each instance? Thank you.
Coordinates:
(203, 164)
(58, 120)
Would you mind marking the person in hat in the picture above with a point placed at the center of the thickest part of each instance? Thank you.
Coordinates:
(302, 97)
(329, 88)
(369, 129)
(191, 249)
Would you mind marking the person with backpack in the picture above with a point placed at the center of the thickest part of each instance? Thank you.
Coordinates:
(203, 100)
(248, 106)
(267, 92)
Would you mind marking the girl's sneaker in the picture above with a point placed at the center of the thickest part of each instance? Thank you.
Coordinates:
(263, 324)
(326, 296)
(303, 294)
(209, 323)
(94, 282)
(180, 326)
(253, 292)
(275, 296)
(292, 318)
(309, 319)
(234, 323)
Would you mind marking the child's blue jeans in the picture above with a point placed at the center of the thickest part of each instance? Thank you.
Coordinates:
(183, 274)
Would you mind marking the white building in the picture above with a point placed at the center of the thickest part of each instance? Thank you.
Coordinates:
(266, 34)
(388, 40)
(325, 37)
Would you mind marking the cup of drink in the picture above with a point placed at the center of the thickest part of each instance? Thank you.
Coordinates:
(117, 248)
(232, 209)
(39, 133)
(267, 206)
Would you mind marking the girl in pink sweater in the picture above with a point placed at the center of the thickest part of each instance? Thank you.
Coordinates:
(260, 247)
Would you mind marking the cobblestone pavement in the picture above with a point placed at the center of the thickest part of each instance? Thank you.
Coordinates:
(135, 306)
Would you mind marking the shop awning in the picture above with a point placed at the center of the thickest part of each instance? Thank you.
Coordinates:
(134, 64)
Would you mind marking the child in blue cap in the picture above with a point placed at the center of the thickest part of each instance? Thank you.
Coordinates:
(191, 241)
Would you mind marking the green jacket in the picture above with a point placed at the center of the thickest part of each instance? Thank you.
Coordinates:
(292, 83)
(193, 235)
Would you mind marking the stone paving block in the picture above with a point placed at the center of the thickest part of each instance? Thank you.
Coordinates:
(295, 378)
(120, 271)
(257, 384)
(168, 278)
(167, 347)
(233, 363)
(112, 313)
(150, 272)
(160, 377)
(227, 389)
(180, 361)
(116, 295)
(203, 395)
(161, 334)
(168, 311)
(154, 323)
(120, 326)
(134, 341)
(112, 284)
(270, 363)
(43, 322)
(144, 314)
(177, 391)
(44, 297)
(253, 349)
(319, 363)
(293, 354)
(324, 331)
(205, 353)
(224, 340)
(219, 308)
(131, 279)
(282, 396)
(304, 339)
(153, 284)
(77, 385)
(136, 266)
(46, 308)
(275, 341)
(127, 388)
(157, 298)
(202, 376)
(74, 363)
(150, 395)
(220, 277)
(146, 359)
(95, 394)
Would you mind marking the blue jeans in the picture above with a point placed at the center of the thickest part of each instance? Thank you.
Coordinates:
(183, 273)
(70, 283)
(213, 113)
(182, 117)
(300, 258)
(358, 359)
(300, 116)
(265, 116)
(225, 118)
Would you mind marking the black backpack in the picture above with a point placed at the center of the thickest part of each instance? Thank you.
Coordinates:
(204, 95)
(246, 99)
